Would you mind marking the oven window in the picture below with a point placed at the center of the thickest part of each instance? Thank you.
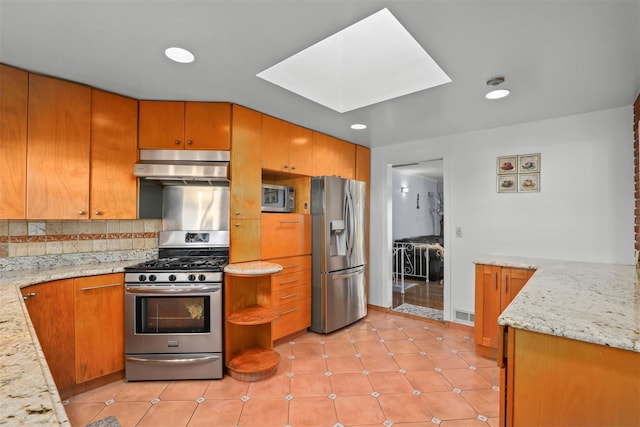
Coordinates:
(172, 314)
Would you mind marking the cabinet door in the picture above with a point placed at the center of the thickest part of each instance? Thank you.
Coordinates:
(161, 125)
(114, 151)
(246, 174)
(207, 125)
(99, 326)
(244, 240)
(58, 146)
(487, 305)
(285, 235)
(13, 142)
(275, 144)
(513, 280)
(333, 157)
(51, 313)
(300, 150)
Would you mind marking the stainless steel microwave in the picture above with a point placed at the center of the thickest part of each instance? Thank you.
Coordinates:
(278, 198)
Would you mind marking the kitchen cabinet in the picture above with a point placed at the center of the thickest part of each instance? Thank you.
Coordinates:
(99, 326)
(175, 125)
(246, 181)
(495, 287)
(14, 85)
(114, 151)
(286, 147)
(58, 125)
(333, 157)
(51, 310)
(249, 354)
(291, 296)
(550, 380)
(284, 235)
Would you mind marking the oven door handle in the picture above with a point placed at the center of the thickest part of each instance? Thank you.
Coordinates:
(173, 361)
(137, 290)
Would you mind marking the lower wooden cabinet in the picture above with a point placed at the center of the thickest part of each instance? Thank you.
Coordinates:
(284, 235)
(80, 326)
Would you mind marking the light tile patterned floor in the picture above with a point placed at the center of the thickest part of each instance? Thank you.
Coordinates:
(385, 370)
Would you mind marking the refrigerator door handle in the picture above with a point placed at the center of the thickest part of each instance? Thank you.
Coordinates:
(347, 275)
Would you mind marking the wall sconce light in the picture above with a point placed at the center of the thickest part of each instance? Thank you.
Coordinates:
(404, 189)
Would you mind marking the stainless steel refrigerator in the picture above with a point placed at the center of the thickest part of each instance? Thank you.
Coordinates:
(338, 290)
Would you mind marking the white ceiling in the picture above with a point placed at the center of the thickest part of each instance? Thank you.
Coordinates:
(558, 57)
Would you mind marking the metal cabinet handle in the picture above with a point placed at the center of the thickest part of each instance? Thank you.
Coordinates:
(286, 166)
(173, 361)
(236, 213)
(290, 266)
(29, 295)
(81, 212)
(293, 168)
(506, 283)
(289, 281)
(289, 311)
(113, 285)
(177, 142)
(495, 280)
(98, 213)
(237, 225)
(289, 222)
(189, 141)
(289, 296)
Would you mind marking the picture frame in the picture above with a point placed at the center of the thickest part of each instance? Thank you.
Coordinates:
(507, 165)
(528, 182)
(529, 163)
(507, 183)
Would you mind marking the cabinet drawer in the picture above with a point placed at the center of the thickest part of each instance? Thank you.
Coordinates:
(292, 264)
(284, 235)
(294, 317)
(289, 295)
(287, 281)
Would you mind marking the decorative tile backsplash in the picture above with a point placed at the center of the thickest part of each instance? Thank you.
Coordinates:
(20, 238)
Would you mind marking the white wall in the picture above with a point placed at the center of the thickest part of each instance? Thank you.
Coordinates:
(408, 220)
(584, 211)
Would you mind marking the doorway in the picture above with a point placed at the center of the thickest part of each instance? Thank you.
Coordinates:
(418, 239)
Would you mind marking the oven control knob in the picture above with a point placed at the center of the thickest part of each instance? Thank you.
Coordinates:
(152, 277)
(202, 277)
(172, 277)
(142, 277)
(192, 277)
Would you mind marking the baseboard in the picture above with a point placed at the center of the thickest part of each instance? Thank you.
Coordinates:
(98, 382)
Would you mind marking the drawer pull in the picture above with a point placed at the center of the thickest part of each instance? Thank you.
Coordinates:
(289, 222)
(29, 295)
(113, 285)
(286, 282)
(289, 296)
(291, 266)
(289, 311)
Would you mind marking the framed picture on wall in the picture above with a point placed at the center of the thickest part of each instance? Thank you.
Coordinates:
(528, 182)
(508, 183)
(529, 163)
(507, 164)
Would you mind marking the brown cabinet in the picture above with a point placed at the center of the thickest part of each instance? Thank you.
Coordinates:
(99, 326)
(58, 149)
(286, 147)
(172, 125)
(291, 296)
(496, 287)
(284, 235)
(114, 151)
(51, 310)
(333, 157)
(14, 86)
(246, 176)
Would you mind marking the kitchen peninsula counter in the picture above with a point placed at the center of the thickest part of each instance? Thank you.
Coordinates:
(27, 390)
(591, 302)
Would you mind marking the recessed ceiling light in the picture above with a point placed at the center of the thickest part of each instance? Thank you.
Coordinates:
(496, 93)
(373, 60)
(179, 54)
(358, 126)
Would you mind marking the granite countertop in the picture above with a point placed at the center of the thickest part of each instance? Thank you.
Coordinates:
(27, 390)
(253, 268)
(591, 302)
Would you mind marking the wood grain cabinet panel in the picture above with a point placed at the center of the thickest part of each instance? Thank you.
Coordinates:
(58, 149)
(14, 85)
(99, 326)
(176, 125)
(114, 151)
(333, 157)
(286, 147)
(285, 235)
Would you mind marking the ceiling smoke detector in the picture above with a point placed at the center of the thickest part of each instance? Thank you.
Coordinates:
(496, 93)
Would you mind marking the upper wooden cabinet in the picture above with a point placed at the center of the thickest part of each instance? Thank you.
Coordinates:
(58, 157)
(171, 125)
(114, 151)
(333, 157)
(496, 287)
(14, 85)
(286, 147)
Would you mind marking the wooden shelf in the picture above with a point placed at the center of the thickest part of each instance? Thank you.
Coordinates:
(254, 364)
(255, 315)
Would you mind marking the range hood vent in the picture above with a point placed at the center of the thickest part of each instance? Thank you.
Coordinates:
(183, 167)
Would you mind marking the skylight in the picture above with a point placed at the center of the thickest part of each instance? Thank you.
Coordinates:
(373, 60)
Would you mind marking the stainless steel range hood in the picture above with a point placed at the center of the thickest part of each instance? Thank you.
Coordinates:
(183, 166)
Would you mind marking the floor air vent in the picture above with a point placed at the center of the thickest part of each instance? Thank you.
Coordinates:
(464, 316)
